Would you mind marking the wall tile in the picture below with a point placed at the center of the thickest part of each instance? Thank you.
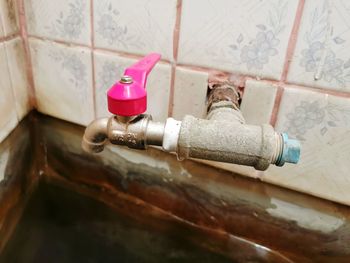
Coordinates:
(63, 81)
(8, 117)
(249, 37)
(322, 123)
(19, 80)
(110, 67)
(4, 158)
(258, 101)
(8, 17)
(67, 20)
(322, 50)
(190, 93)
(2, 34)
(135, 26)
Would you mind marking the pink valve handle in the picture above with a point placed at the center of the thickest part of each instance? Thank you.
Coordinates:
(128, 96)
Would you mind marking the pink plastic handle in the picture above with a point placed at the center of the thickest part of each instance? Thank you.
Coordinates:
(130, 98)
(140, 70)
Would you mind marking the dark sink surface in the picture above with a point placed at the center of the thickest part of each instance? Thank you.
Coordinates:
(61, 226)
(59, 204)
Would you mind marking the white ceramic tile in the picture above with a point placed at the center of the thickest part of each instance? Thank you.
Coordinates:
(8, 17)
(258, 101)
(19, 80)
(63, 81)
(67, 20)
(4, 158)
(135, 26)
(190, 93)
(2, 34)
(249, 36)
(322, 54)
(8, 117)
(110, 67)
(322, 123)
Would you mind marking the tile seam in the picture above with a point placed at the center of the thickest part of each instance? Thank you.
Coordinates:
(28, 59)
(92, 36)
(176, 36)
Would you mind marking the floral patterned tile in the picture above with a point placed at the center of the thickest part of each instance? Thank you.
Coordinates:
(63, 81)
(190, 93)
(66, 20)
(8, 17)
(135, 26)
(322, 123)
(19, 81)
(248, 37)
(110, 67)
(258, 101)
(8, 117)
(322, 56)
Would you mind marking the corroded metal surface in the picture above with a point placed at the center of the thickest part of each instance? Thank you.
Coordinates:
(224, 92)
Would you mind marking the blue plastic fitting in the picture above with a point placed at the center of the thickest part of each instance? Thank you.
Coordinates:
(290, 152)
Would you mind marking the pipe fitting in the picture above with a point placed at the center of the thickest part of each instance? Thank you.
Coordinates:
(224, 92)
(137, 132)
(222, 137)
(231, 142)
(95, 136)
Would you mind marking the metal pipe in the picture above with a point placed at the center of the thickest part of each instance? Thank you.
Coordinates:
(155, 133)
(225, 137)
(220, 140)
(95, 136)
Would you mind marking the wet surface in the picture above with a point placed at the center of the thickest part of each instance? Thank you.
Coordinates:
(59, 225)
(17, 177)
(225, 215)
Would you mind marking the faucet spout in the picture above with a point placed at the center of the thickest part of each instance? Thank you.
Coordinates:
(96, 136)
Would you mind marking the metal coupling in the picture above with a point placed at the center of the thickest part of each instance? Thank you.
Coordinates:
(137, 133)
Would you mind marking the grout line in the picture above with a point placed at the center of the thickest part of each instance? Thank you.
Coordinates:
(202, 68)
(3, 41)
(288, 58)
(8, 68)
(28, 60)
(176, 36)
(337, 93)
(98, 49)
(172, 91)
(276, 106)
(94, 102)
(292, 40)
(9, 37)
(271, 81)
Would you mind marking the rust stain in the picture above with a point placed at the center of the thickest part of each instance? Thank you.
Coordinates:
(11, 11)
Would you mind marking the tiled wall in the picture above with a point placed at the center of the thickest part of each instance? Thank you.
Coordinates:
(292, 57)
(14, 90)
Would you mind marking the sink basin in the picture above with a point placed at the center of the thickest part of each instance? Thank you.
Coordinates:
(59, 225)
(59, 204)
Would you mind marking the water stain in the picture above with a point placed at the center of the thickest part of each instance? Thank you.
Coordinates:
(59, 225)
(210, 210)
